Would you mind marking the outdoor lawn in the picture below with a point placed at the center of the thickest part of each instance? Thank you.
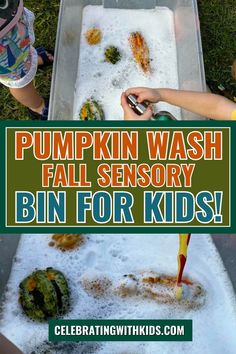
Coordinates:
(46, 14)
(218, 35)
(218, 30)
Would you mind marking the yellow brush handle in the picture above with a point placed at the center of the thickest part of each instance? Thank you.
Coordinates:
(183, 244)
(182, 256)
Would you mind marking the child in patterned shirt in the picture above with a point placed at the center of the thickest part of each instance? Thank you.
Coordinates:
(19, 60)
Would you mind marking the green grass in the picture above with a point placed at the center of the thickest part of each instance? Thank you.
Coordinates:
(218, 29)
(218, 35)
(46, 15)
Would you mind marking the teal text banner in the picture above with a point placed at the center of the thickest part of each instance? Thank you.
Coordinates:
(120, 330)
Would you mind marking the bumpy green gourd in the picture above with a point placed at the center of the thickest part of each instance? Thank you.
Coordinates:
(91, 110)
(112, 55)
(65, 348)
(44, 294)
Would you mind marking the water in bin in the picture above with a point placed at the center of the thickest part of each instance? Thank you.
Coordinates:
(209, 272)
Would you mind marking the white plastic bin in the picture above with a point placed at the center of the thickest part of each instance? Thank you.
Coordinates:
(189, 49)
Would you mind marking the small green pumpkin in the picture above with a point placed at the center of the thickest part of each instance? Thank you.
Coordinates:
(91, 110)
(112, 55)
(44, 294)
(66, 348)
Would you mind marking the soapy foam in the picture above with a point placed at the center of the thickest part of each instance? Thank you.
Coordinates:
(112, 256)
(104, 81)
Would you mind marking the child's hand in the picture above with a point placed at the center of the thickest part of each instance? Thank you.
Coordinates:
(129, 114)
(145, 94)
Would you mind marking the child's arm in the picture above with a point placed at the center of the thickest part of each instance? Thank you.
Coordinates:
(205, 104)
